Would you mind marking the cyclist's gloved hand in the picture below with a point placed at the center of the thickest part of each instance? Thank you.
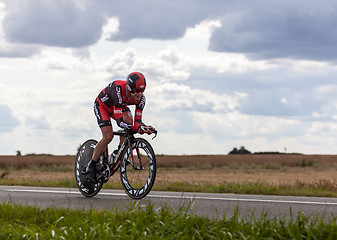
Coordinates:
(146, 129)
(142, 129)
(151, 129)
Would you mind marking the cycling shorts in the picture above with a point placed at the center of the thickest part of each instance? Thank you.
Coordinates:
(104, 113)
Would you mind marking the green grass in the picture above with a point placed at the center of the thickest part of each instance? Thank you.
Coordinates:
(320, 189)
(25, 222)
(39, 183)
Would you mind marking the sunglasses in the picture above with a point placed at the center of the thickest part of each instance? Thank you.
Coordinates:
(137, 91)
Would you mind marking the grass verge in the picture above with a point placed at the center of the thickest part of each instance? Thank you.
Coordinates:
(25, 222)
(319, 189)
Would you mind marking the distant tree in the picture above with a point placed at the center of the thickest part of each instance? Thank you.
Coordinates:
(242, 150)
(18, 153)
(234, 151)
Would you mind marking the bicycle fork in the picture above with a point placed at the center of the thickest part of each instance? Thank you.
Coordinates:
(140, 167)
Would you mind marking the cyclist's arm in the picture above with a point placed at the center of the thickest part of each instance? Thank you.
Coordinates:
(116, 95)
(122, 124)
(138, 124)
(139, 113)
(119, 119)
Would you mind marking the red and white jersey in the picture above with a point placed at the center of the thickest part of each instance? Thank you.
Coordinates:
(114, 97)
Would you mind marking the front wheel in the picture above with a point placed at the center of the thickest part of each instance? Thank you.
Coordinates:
(83, 157)
(138, 168)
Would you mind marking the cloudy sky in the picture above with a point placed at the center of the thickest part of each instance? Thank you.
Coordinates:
(221, 74)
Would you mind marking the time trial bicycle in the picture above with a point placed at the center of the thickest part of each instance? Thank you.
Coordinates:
(135, 159)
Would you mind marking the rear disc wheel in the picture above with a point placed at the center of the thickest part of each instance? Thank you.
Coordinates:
(83, 157)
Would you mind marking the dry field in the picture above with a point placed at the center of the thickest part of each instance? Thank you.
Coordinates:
(195, 169)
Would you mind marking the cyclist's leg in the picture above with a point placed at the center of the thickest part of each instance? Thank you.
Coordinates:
(103, 115)
(107, 136)
(103, 119)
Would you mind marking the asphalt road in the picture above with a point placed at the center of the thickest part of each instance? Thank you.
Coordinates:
(207, 204)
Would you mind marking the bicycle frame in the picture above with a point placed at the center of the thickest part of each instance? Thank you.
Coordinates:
(127, 143)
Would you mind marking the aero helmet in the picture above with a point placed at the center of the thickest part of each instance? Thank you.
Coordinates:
(136, 82)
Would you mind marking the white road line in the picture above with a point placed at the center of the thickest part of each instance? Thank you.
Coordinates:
(180, 197)
(248, 200)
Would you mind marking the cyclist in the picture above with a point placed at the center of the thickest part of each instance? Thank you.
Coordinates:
(112, 102)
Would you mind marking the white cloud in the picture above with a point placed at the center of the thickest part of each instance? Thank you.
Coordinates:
(8, 49)
(284, 29)
(7, 121)
(170, 55)
(110, 28)
(52, 23)
(201, 101)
